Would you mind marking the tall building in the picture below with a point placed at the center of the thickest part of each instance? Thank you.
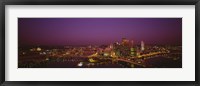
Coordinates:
(125, 49)
(142, 46)
(116, 48)
(133, 51)
(125, 42)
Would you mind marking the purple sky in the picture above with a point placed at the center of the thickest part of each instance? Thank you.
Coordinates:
(97, 31)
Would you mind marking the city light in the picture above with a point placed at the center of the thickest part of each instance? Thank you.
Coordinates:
(100, 42)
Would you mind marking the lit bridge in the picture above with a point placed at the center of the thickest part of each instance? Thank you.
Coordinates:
(118, 59)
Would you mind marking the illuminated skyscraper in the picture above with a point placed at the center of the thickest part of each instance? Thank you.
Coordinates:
(133, 51)
(125, 42)
(142, 46)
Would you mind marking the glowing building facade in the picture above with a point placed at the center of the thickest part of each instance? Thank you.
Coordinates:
(142, 46)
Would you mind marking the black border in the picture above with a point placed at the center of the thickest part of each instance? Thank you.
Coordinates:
(98, 2)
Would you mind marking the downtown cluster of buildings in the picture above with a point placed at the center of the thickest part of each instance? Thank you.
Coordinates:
(127, 49)
(124, 49)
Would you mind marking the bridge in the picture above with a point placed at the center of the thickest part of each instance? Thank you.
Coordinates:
(119, 59)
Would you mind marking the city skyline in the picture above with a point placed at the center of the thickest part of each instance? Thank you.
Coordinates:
(98, 31)
(99, 42)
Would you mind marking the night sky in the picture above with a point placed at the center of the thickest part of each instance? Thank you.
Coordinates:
(98, 31)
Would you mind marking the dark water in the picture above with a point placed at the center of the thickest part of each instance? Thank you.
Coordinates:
(163, 62)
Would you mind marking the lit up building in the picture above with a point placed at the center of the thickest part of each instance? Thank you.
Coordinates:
(133, 51)
(125, 51)
(107, 51)
(125, 42)
(116, 49)
(142, 46)
(125, 48)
